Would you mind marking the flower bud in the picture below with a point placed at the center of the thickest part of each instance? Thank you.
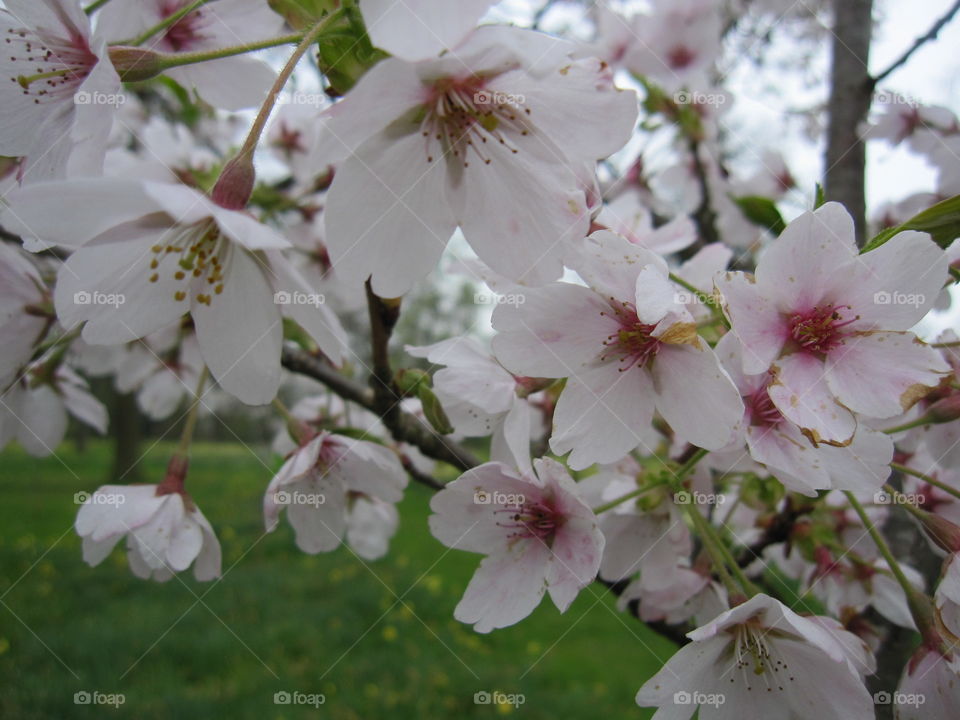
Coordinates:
(235, 185)
(945, 410)
(134, 64)
(943, 532)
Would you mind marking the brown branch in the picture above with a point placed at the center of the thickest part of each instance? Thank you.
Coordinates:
(929, 36)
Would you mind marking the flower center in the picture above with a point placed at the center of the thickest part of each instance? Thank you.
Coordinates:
(53, 67)
(199, 252)
(818, 330)
(463, 117)
(531, 519)
(633, 342)
(762, 410)
(185, 33)
(680, 57)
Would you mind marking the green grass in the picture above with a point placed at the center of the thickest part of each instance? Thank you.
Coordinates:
(279, 619)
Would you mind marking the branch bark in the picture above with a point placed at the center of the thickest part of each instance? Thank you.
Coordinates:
(851, 92)
(929, 36)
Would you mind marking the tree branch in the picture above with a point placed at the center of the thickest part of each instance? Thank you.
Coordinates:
(929, 36)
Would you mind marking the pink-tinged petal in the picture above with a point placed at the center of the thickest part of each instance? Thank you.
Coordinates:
(186, 540)
(370, 468)
(93, 206)
(602, 415)
(510, 443)
(577, 106)
(42, 421)
(319, 321)
(755, 320)
(822, 689)
(798, 268)
(248, 232)
(790, 457)
(575, 560)
(506, 587)
(932, 677)
(370, 526)
(465, 514)
(655, 295)
(863, 465)
(405, 223)
(883, 374)
(134, 506)
(240, 332)
(609, 263)
(207, 565)
(386, 92)
(319, 526)
(128, 306)
(521, 210)
(684, 672)
(84, 406)
(232, 83)
(695, 395)
(800, 392)
(420, 29)
(558, 331)
(894, 286)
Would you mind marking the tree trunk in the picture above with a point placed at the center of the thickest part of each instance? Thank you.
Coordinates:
(126, 431)
(851, 92)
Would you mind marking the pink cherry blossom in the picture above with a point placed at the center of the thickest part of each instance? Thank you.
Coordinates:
(929, 687)
(832, 326)
(492, 137)
(627, 346)
(536, 532)
(152, 252)
(165, 531)
(761, 659)
(59, 90)
(319, 485)
(420, 29)
(23, 294)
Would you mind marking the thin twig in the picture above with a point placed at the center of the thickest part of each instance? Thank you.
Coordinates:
(929, 36)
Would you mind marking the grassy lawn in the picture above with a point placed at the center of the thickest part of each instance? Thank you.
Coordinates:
(279, 620)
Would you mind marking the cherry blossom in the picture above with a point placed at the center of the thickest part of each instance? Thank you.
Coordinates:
(150, 252)
(231, 83)
(762, 659)
(59, 90)
(492, 137)
(832, 326)
(319, 486)
(23, 295)
(627, 346)
(536, 532)
(165, 531)
(420, 29)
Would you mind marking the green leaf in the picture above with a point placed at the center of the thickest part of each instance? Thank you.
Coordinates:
(941, 221)
(761, 211)
(346, 53)
(819, 198)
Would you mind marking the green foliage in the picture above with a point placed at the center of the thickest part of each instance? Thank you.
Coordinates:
(761, 211)
(346, 53)
(302, 14)
(942, 221)
(279, 619)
